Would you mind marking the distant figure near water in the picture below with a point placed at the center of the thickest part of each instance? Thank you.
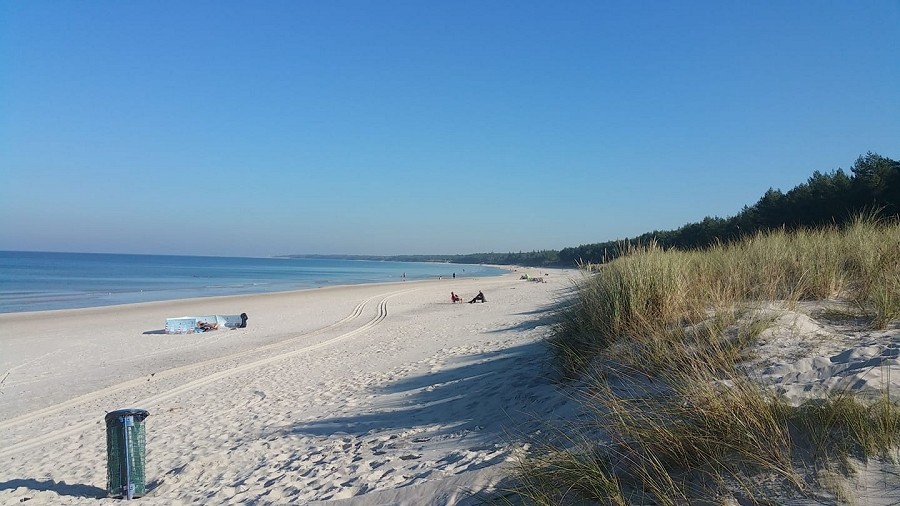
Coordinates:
(478, 298)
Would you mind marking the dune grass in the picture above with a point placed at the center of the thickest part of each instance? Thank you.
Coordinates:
(656, 337)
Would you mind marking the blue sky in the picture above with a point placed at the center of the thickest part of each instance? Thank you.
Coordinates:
(387, 127)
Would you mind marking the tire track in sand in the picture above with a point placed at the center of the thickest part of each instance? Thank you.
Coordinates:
(153, 399)
(357, 311)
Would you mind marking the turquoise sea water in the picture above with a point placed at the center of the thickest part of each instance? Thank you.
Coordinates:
(32, 281)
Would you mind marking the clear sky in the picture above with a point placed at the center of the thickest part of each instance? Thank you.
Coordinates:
(420, 127)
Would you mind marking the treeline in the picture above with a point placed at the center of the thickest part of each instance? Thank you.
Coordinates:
(830, 198)
(542, 258)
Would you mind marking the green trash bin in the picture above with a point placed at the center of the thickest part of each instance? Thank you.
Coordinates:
(126, 443)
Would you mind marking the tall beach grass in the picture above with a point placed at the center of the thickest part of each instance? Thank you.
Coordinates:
(655, 339)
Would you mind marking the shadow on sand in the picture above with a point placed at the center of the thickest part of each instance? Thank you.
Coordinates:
(482, 391)
(478, 392)
(540, 317)
(60, 487)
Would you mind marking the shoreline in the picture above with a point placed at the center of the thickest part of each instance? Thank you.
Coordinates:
(54, 281)
(214, 298)
(508, 269)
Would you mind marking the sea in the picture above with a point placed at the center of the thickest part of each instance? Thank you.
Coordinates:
(36, 281)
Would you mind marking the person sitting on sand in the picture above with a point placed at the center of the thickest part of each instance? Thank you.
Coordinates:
(455, 298)
(478, 298)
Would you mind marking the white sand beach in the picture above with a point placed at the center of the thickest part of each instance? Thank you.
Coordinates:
(373, 394)
(366, 395)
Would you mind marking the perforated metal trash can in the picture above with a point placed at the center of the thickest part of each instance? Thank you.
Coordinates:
(126, 443)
